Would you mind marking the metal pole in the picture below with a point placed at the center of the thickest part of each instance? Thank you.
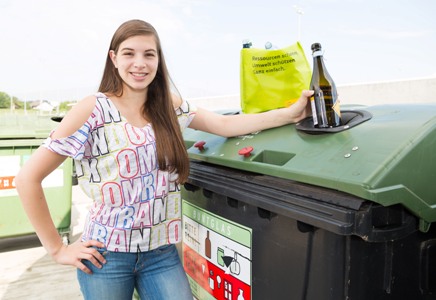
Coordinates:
(299, 12)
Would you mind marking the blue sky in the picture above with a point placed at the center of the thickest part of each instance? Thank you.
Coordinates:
(56, 48)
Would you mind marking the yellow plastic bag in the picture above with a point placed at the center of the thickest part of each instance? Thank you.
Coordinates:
(272, 79)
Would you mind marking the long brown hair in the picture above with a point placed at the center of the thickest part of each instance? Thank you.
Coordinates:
(158, 105)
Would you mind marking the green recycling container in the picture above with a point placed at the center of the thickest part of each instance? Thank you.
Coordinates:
(20, 136)
(300, 213)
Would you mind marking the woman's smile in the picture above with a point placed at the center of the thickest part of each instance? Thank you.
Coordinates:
(137, 61)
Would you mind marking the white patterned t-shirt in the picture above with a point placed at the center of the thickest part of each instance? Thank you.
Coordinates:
(136, 207)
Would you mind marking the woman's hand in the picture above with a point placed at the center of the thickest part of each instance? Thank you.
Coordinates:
(74, 253)
(300, 109)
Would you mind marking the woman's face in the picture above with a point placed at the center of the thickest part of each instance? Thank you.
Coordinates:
(137, 61)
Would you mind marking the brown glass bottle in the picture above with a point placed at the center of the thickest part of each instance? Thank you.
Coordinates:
(207, 246)
(325, 105)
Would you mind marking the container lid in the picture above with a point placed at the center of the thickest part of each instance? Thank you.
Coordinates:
(20, 126)
(388, 159)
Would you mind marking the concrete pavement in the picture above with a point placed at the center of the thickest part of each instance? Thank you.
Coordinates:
(27, 272)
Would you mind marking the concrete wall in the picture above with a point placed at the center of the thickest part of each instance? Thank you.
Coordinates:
(404, 91)
(421, 90)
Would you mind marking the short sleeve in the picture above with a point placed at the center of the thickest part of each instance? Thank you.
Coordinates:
(72, 146)
(185, 114)
(77, 145)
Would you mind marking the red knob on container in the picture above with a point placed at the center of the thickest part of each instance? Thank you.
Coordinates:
(200, 145)
(246, 151)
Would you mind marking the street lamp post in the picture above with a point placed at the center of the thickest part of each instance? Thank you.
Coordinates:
(299, 12)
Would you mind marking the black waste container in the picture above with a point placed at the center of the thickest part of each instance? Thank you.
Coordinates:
(298, 215)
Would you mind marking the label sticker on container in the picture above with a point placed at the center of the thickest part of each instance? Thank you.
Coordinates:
(10, 167)
(7, 182)
(216, 255)
(11, 164)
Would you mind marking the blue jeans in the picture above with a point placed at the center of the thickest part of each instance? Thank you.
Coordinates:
(156, 274)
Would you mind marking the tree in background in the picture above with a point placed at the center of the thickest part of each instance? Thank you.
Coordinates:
(5, 101)
(66, 106)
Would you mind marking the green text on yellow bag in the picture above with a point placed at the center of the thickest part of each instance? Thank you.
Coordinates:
(272, 79)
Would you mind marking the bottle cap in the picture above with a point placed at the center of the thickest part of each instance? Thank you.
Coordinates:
(316, 47)
(246, 43)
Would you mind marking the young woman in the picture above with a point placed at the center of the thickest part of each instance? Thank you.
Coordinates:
(126, 141)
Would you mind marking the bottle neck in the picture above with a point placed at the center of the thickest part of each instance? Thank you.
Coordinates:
(320, 73)
(318, 61)
(317, 53)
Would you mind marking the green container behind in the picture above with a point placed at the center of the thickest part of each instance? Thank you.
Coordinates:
(20, 136)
